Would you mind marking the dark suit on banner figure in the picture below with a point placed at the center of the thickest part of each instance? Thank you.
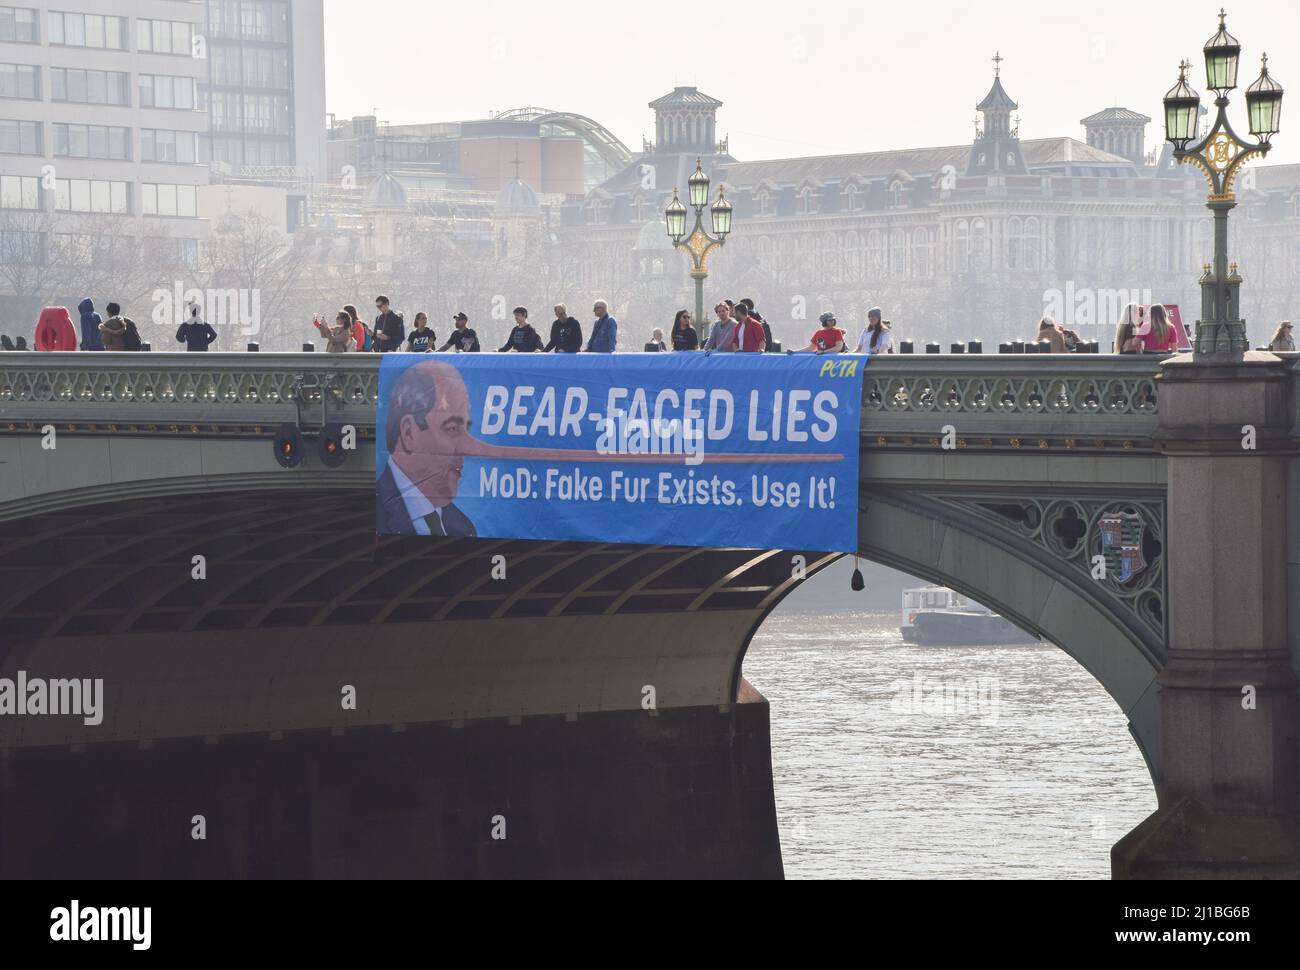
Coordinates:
(427, 433)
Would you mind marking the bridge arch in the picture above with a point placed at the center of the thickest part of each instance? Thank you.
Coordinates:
(952, 548)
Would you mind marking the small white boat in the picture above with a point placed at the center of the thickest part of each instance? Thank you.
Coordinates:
(937, 616)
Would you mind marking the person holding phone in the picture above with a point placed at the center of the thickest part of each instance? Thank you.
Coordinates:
(338, 338)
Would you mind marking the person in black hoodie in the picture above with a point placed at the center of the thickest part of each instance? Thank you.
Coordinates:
(566, 333)
(523, 338)
(462, 338)
(196, 333)
(390, 328)
(90, 321)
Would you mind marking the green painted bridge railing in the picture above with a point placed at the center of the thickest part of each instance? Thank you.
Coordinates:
(1079, 395)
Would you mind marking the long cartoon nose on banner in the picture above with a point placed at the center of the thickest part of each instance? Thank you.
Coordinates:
(474, 448)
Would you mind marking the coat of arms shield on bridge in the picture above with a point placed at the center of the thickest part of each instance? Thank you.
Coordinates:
(1121, 544)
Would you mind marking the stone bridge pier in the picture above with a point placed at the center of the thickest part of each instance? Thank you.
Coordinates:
(1229, 792)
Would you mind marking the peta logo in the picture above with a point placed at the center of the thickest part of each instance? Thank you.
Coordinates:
(102, 925)
(839, 368)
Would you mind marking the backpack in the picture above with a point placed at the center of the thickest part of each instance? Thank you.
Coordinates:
(132, 338)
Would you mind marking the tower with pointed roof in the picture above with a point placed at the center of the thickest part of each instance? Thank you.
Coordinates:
(686, 120)
(1119, 131)
(997, 144)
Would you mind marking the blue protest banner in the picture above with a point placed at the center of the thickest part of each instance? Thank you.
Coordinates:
(752, 451)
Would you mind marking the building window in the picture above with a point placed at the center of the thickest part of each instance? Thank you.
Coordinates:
(22, 248)
(898, 254)
(165, 91)
(22, 81)
(1032, 242)
(20, 138)
(176, 147)
(92, 141)
(87, 30)
(807, 201)
(18, 25)
(961, 246)
(1015, 242)
(20, 192)
(92, 195)
(169, 200)
(164, 37)
(852, 199)
(922, 254)
(896, 195)
(763, 203)
(90, 87)
(875, 254)
(979, 242)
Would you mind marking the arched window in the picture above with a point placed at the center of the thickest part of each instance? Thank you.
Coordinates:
(961, 246)
(922, 254)
(1032, 244)
(852, 198)
(1015, 242)
(852, 256)
(875, 254)
(763, 202)
(898, 254)
(895, 195)
(807, 257)
(807, 200)
(979, 242)
(830, 266)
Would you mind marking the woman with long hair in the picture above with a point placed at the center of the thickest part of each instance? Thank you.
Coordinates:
(363, 338)
(1158, 335)
(1127, 340)
(684, 336)
(878, 338)
(1283, 342)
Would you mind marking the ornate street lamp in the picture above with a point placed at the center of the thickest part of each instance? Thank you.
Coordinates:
(1221, 154)
(701, 241)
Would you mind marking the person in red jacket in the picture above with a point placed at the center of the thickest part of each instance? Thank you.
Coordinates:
(54, 332)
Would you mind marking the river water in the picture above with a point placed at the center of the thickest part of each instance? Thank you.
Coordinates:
(899, 761)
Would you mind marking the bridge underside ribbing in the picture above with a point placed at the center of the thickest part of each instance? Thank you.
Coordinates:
(477, 695)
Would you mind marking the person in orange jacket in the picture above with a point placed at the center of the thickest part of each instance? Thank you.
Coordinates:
(54, 332)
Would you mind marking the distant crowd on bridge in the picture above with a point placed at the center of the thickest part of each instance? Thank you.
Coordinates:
(739, 327)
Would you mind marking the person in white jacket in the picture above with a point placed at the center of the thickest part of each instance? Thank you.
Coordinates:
(877, 338)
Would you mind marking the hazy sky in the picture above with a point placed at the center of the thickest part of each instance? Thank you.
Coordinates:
(797, 78)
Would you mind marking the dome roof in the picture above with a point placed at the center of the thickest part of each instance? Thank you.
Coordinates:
(653, 237)
(517, 197)
(387, 192)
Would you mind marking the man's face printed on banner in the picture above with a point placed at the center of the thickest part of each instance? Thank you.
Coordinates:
(432, 447)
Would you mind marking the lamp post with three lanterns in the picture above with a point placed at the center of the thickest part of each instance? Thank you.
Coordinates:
(1221, 154)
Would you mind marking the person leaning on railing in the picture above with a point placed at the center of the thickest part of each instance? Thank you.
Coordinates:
(1283, 341)
(1157, 334)
(1062, 340)
(1127, 340)
(683, 335)
(877, 338)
